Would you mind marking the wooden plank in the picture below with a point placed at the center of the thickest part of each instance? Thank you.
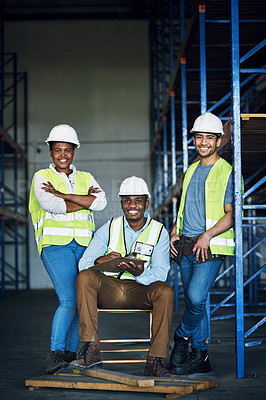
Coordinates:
(125, 351)
(246, 117)
(204, 385)
(84, 382)
(197, 384)
(115, 376)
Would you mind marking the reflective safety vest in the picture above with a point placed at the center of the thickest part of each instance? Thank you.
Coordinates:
(143, 247)
(61, 229)
(215, 187)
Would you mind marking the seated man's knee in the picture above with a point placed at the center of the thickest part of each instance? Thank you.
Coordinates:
(164, 290)
(85, 277)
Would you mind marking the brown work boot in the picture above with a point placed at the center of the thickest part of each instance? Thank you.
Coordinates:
(88, 356)
(155, 367)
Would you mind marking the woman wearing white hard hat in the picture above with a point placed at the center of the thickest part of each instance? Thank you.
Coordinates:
(62, 201)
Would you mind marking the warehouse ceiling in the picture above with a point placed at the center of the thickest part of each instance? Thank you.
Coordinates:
(83, 9)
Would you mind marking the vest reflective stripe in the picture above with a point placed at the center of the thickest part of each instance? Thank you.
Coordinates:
(149, 236)
(215, 187)
(116, 226)
(226, 240)
(86, 233)
(54, 231)
(210, 223)
(223, 241)
(152, 238)
(60, 229)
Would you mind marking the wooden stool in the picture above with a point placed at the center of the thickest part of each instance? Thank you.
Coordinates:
(144, 340)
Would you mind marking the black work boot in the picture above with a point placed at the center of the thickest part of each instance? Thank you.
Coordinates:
(197, 361)
(180, 351)
(69, 356)
(55, 361)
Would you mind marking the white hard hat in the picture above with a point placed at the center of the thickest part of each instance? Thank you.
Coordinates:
(134, 186)
(208, 123)
(63, 133)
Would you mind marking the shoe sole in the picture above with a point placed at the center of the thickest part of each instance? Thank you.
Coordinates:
(56, 369)
(191, 372)
(200, 371)
(51, 371)
(75, 366)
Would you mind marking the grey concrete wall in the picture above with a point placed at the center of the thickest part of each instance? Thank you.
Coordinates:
(93, 75)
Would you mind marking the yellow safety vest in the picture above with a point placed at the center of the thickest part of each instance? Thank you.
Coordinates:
(61, 229)
(143, 247)
(215, 187)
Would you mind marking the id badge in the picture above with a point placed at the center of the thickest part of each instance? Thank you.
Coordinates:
(144, 249)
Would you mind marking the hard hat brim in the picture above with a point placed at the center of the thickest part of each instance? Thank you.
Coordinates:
(120, 194)
(206, 131)
(47, 141)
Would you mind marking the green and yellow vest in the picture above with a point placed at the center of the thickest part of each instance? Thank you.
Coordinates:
(61, 229)
(215, 187)
(142, 247)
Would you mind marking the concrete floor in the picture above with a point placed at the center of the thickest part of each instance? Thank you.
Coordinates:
(25, 329)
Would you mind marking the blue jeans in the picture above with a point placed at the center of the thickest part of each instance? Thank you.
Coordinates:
(197, 280)
(61, 263)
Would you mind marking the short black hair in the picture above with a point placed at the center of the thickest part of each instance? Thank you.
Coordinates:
(51, 145)
(218, 135)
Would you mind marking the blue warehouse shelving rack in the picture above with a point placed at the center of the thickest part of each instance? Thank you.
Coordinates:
(14, 173)
(214, 53)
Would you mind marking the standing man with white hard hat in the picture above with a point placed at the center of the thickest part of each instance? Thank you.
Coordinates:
(199, 240)
(137, 286)
(62, 201)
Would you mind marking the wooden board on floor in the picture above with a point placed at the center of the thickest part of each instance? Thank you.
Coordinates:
(76, 381)
(115, 376)
(198, 384)
(140, 381)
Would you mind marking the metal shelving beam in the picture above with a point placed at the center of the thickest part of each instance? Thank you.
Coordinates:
(237, 189)
(183, 88)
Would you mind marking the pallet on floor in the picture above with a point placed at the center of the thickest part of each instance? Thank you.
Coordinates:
(172, 387)
(116, 376)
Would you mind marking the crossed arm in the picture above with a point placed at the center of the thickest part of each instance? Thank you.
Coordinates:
(74, 202)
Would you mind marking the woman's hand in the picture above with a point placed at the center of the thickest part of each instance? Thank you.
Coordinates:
(48, 187)
(93, 189)
(74, 202)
